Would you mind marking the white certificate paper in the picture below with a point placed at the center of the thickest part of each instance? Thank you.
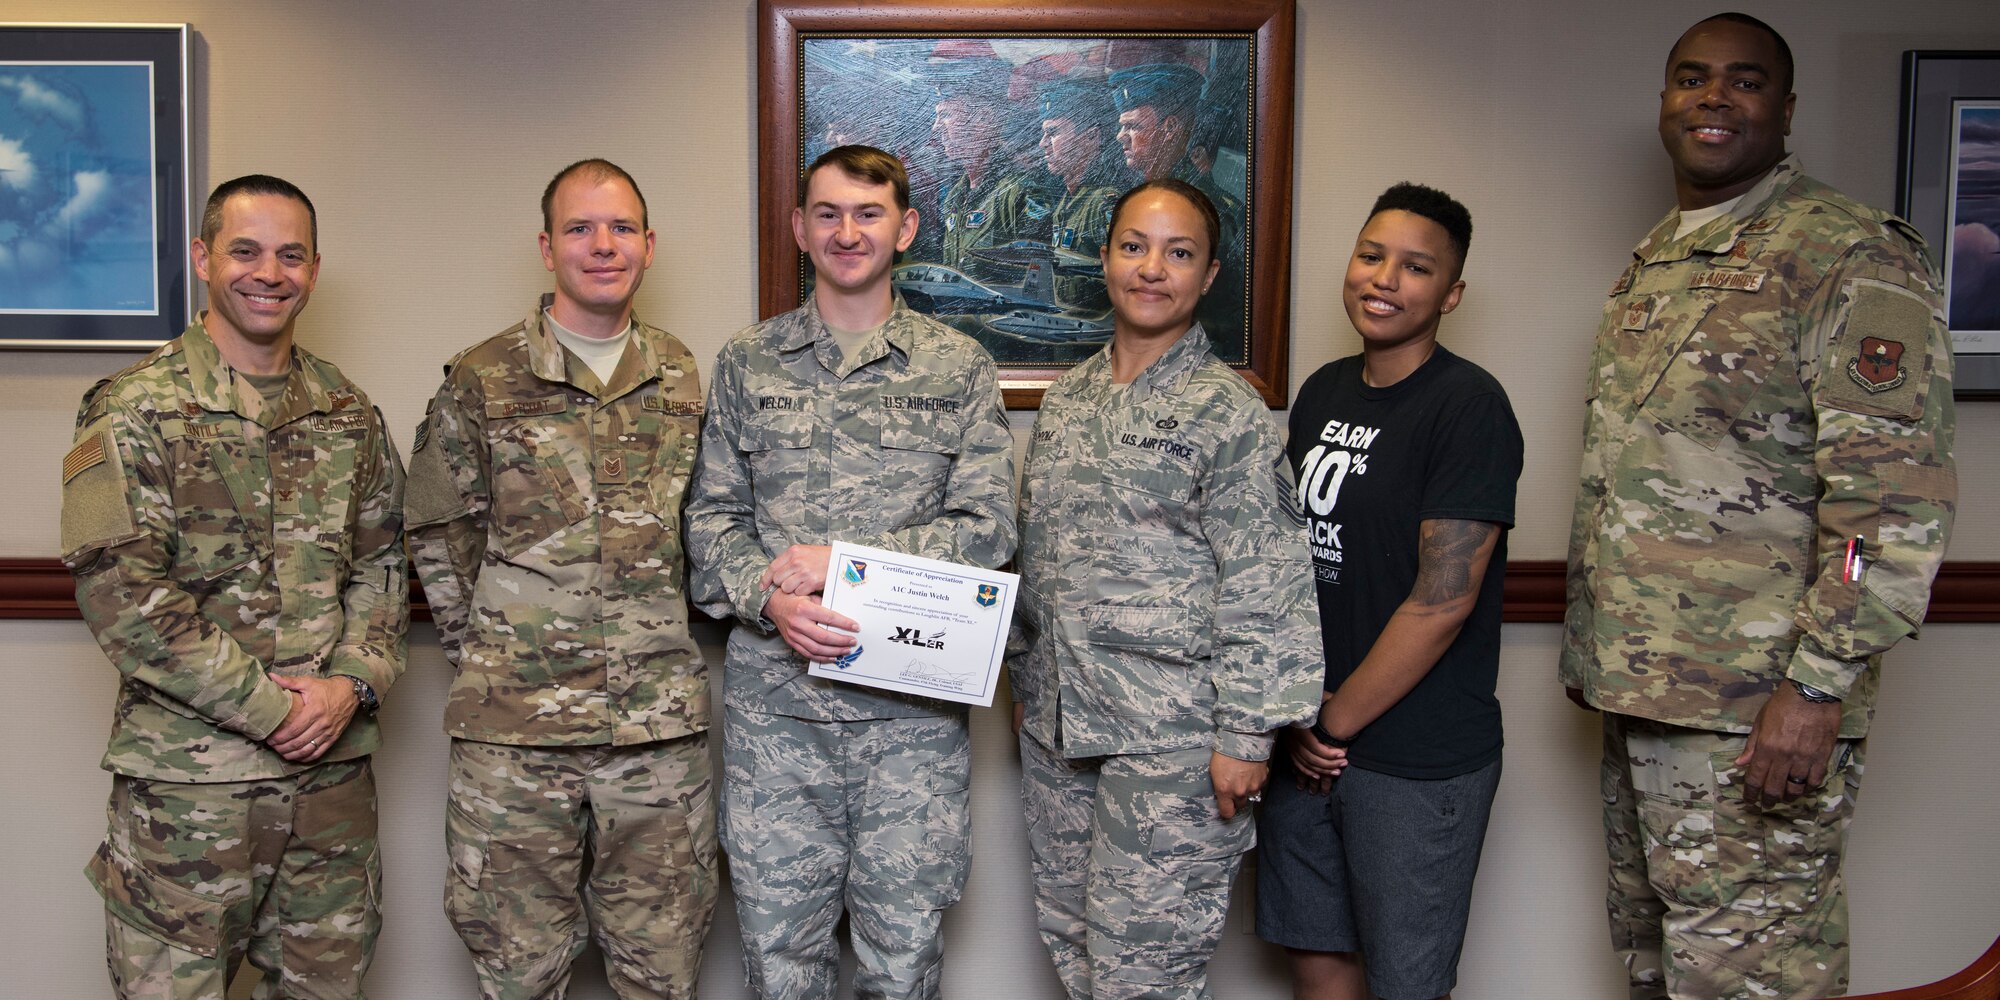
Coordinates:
(928, 627)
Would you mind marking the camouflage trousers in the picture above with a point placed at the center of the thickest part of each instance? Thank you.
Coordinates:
(867, 816)
(1133, 868)
(548, 844)
(283, 870)
(1713, 898)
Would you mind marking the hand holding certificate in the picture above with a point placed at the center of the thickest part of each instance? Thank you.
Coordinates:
(928, 627)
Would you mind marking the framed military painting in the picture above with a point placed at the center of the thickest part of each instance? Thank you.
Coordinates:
(93, 185)
(1020, 126)
(1948, 186)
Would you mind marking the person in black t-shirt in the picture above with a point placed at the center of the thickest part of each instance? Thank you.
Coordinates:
(1406, 458)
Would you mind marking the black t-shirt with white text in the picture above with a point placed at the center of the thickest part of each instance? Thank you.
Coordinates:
(1372, 465)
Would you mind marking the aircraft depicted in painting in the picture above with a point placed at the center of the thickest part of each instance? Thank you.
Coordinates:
(1026, 253)
(1053, 327)
(944, 291)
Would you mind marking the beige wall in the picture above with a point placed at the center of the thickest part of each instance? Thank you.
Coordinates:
(425, 132)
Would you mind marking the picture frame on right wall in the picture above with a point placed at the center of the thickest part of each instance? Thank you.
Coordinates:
(1948, 186)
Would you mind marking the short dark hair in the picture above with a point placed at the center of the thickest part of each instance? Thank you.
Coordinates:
(599, 170)
(1206, 208)
(1434, 205)
(1784, 67)
(211, 215)
(865, 163)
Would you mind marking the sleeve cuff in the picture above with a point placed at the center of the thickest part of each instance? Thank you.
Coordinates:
(1244, 746)
(1814, 668)
(264, 711)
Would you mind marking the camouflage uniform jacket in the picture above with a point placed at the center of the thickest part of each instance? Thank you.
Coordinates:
(902, 446)
(214, 539)
(1763, 390)
(545, 511)
(1166, 593)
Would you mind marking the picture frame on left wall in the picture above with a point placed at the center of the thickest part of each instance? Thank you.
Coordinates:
(94, 185)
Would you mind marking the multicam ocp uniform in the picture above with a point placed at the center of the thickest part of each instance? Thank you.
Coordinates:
(216, 538)
(544, 510)
(1764, 390)
(839, 795)
(1167, 610)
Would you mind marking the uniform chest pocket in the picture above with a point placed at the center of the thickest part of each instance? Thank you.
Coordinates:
(1146, 486)
(1722, 357)
(534, 493)
(221, 509)
(777, 446)
(324, 480)
(917, 452)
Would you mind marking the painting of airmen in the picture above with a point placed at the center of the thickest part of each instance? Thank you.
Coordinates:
(1016, 148)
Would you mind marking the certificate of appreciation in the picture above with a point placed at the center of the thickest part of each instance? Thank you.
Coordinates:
(928, 627)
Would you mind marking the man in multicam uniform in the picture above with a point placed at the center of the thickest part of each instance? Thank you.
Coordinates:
(1767, 488)
(544, 506)
(1167, 627)
(232, 511)
(850, 418)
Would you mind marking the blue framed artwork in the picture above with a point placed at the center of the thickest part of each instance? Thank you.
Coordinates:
(1949, 188)
(93, 185)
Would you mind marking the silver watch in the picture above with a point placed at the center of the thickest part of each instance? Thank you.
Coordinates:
(1813, 694)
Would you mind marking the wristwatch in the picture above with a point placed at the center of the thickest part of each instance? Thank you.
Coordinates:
(1813, 694)
(364, 694)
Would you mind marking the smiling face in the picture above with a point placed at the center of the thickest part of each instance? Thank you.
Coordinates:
(1724, 113)
(1157, 264)
(599, 249)
(851, 229)
(260, 268)
(1401, 280)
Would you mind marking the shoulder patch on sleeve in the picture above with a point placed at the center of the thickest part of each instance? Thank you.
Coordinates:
(94, 508)
(1881, 363)
(430, 493)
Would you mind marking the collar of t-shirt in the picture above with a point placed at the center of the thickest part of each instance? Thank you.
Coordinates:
(850, 341)
(599, 355)
(271, 387)
(1695, 218)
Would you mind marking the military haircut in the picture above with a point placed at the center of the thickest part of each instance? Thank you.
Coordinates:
(211, 215)
(598, 170)
(1202, 205)
(1434, 205)
(1784, 67)
(863, 163)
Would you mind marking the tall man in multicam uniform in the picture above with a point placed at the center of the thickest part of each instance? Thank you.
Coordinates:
(232, 511)
(851, 418)
(1767, 489)
(544, 506)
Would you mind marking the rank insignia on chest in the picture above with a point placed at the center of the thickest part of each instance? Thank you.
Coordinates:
(973, 220)
(1637, 314)
(612, 468)
(1879, 366)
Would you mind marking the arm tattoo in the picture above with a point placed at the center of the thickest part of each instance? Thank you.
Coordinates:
(1444, 559)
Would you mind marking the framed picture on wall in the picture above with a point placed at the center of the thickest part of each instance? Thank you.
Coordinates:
(1020, 126)
(93, 185)
(1948, 186)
